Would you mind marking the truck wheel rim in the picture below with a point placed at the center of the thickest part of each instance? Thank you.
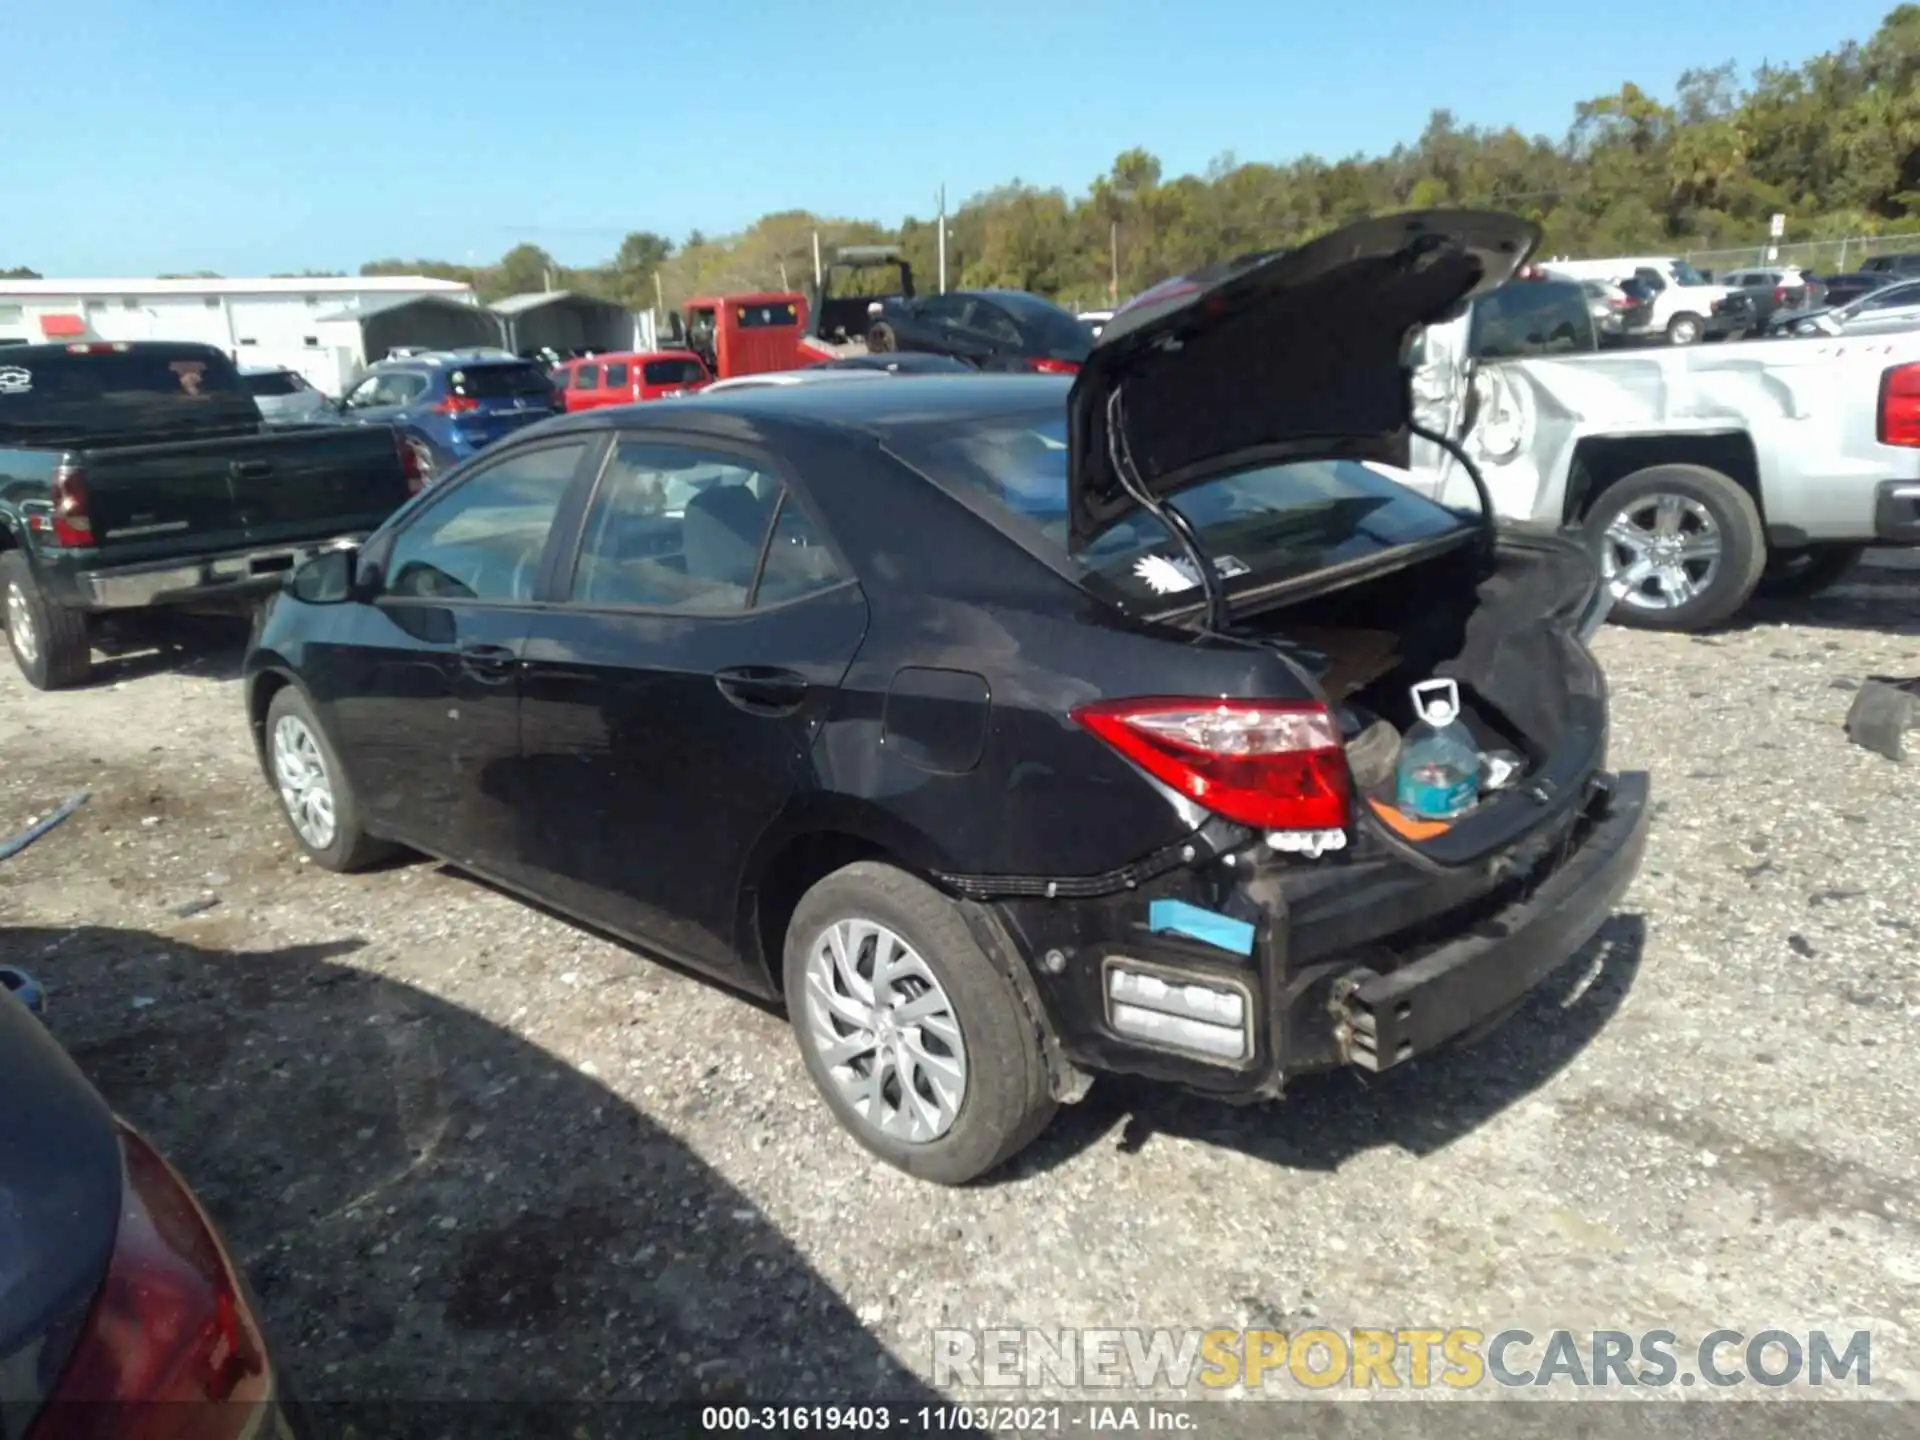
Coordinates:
(1660, 552)
(1685, 332)
(881, 1026)
(305, 788)
(20, 623)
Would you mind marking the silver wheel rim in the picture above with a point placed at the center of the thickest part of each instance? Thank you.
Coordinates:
(1660, 552)
(1685, 332)
(884, 1030)
(20, 623)
(305, 788)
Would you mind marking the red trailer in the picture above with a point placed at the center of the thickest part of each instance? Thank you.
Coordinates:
(748, 334)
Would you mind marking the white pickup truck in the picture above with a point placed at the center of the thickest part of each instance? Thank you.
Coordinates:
(1702, 473)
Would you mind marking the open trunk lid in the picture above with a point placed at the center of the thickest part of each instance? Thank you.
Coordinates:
(1275, 357)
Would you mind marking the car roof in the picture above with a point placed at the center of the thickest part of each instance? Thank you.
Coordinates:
(875, 409)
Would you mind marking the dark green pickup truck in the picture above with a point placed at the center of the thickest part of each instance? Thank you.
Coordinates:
(139, 474)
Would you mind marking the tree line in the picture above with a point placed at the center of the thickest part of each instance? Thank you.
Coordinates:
(1832, 143)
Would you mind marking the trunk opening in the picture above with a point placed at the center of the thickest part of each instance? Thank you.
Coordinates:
(1504, 631)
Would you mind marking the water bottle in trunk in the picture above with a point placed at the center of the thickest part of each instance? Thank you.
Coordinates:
(1439, 772)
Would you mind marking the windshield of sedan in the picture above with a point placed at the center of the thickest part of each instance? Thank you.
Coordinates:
(1276, 523)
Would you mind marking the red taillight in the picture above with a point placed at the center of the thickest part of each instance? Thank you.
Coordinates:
(72, 525)
(1275, 764)
(170, 1324)
(458, 405)
(1044, 366)
(1900, 406)
(1779, 294)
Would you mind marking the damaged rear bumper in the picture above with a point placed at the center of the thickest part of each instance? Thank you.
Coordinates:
(1384, 1020)
(1362, 963)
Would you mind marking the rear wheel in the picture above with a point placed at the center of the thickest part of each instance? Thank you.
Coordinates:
(1681, 546)
(315, 794)
(913, 1036)
(1685, 329)
(49, 641)
(1803, 572)
(881, 340)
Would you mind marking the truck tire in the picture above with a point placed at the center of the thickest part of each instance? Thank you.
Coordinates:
(1681, 545)
(964, 1042)
(1686, 328)
(49, 641)
(1804, 571)
(881, 339)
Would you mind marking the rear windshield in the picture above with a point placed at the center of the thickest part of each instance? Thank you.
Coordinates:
(674, 372)
(759, 317)
(97, 391)
(499, 382)
(274, 382)
(1048, 327)
(1259, 527)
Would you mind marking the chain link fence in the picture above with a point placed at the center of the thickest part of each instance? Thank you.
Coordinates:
(1823, 257)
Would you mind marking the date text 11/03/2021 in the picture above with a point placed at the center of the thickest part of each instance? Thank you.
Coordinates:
(1092, 1418)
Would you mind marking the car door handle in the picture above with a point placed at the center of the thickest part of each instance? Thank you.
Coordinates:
(491, 663)
(763, 689)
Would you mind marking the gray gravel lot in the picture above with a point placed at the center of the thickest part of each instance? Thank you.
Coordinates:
(467, 1149)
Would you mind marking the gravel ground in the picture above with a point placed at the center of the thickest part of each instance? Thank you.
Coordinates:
(467, 1149)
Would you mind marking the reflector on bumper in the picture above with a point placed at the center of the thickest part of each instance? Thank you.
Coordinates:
(1179, 1012)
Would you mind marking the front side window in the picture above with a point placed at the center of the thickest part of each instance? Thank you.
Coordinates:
(485, 539)
(587, 377)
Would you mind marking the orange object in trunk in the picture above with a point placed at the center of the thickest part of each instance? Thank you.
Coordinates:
(1406, 826)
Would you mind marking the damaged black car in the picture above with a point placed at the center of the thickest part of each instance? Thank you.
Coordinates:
(1010, 731)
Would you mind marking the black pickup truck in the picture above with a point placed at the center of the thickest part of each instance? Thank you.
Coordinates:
(140, 474)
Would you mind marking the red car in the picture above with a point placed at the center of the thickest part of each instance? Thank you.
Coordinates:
(621, 378)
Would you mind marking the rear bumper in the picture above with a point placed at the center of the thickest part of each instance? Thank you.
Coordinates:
(1383, 1020)
(234, 575)
(1289, 987)
(1896, 512)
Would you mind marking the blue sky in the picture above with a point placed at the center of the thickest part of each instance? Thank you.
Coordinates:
(248, 136)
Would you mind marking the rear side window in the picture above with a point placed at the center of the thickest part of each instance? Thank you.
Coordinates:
(616, 375)
(759, 317)
(274, 382)
(1277, 523)
(498, 382)
(1539, 317)
(673, 372)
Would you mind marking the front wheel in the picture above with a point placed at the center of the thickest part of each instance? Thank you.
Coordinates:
(916, 1040)
(1681, 547)
(315, 794)
(1803, 572)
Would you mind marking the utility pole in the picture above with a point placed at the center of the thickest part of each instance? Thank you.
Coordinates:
(659, 300)
(1113, 284)
(816, 260)
(942, 239)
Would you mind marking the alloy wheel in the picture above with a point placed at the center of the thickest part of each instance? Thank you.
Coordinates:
(883, 1028)
(305, 787)
(20, 624)
(1660, 552)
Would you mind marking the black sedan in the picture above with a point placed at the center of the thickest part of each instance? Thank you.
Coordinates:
(116, 1291)
(1010, 732)
(988, 329)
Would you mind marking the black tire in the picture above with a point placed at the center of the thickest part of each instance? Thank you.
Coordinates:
(881, 340)
(351, 848)
(1007, 1101)
(1743, 552)
(49, 641)
(1686, 328)
(1803, 572)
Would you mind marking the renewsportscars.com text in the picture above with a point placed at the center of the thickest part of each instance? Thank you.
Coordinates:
(1459, 1358)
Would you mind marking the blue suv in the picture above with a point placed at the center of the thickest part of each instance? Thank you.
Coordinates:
(447, 405)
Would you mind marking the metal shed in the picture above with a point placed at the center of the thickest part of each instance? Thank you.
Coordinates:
(429, 321)
(565, 320)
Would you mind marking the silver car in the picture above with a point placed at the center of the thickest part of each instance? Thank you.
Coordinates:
(284, 396)
(1878, 312)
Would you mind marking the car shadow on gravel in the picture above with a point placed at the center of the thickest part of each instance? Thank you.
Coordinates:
(161, 642)
(432, 1207)
(1871, 597)
(1420, 1107)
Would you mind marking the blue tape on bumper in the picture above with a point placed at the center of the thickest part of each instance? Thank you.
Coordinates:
(1176, 917)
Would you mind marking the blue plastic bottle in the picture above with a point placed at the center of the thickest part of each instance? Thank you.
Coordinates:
(1439, 773)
